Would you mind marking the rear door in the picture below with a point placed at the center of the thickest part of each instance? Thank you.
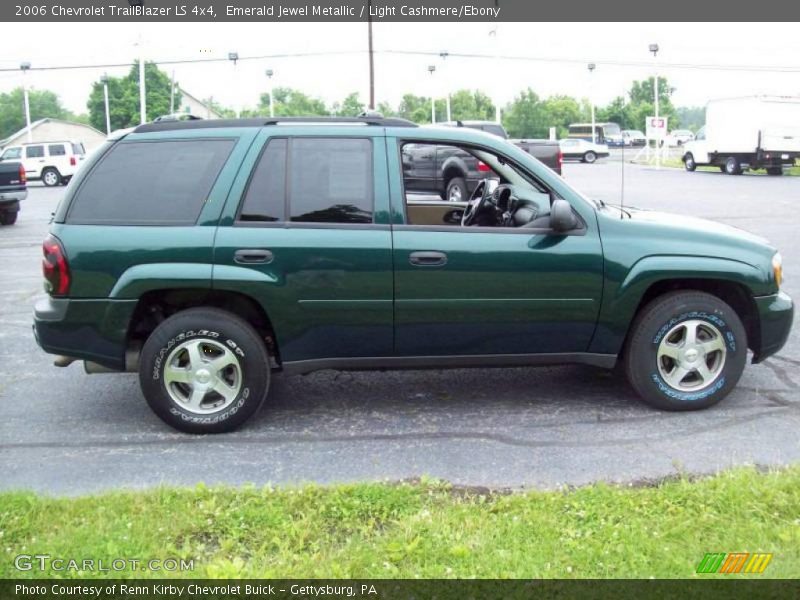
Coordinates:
(306, 233)
(34, 159)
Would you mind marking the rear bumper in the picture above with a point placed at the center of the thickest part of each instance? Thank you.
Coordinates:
(13, 197)
(776, 314)
(94, 330)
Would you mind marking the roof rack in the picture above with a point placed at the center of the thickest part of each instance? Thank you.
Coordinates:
(372, 119)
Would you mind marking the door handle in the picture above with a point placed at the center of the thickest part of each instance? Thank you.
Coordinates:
(428, 259)
(252, 256)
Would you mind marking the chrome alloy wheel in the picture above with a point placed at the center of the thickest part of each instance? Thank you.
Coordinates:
(691, 356)
(202, 376)
(454, 194)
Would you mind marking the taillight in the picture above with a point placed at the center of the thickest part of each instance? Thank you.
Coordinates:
(23, 176)
(55, 267)
(72, 161)
(560, 160)
(483, 167)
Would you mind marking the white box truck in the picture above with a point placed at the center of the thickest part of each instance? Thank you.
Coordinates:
(755, 132)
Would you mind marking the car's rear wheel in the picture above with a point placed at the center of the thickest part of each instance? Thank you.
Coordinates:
(688, 162)
(8, 217)
(732, 166)
(686, 351)
(589, 157)
(456, 190)
(51, 177)
(204, 370)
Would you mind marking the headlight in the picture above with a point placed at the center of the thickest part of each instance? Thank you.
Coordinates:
(777, 268)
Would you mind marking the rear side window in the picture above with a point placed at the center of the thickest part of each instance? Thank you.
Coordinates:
(56, 150)
(266, 195)
(314, 180)
(12, 153)
(34, 152)
(78, 149)
(150, 183)
(330, 180)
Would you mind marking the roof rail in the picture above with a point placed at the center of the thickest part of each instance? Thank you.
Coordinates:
(166, 125)
(367, 119)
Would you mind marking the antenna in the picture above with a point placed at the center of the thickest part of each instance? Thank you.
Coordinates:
(622, 184)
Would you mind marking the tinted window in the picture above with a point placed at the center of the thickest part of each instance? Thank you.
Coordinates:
(34, 152)
(12, 153)
(266, 195)
(495, 130)
(78, 149)
(56, 150)
(330, 180)
(150, 183)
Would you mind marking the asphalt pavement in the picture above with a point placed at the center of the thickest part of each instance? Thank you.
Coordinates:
(64, 432)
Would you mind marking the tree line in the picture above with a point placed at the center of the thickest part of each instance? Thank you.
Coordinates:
(527, 116)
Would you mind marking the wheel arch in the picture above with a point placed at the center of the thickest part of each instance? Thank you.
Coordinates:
(154, 306)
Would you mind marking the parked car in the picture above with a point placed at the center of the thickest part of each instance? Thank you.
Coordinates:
(576, 149)
(754, 132)
(609, 134)
(13, 189)
(679, 137)
(633, 137)
(234, 250)
(54, 163)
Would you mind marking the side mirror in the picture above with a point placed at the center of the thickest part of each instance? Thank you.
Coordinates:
(562, 219)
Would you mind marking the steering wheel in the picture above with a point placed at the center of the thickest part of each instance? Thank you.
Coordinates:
(476, 203)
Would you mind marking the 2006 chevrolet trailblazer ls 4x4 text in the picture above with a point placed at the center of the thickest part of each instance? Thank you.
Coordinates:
(208, 255)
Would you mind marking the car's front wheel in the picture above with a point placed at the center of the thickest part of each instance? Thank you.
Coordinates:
(688, 162)
(686, 351)
(732, 166)
(204, 370)
(456, 190)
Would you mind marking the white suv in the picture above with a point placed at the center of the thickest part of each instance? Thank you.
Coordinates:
(53, 162)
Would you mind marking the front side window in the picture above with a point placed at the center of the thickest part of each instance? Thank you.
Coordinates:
(330, 180)
(34, 152)
(150, 183)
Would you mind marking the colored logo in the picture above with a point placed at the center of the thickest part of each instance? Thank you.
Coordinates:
(734, 562)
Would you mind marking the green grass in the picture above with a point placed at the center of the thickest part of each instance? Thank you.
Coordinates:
(427, 529)
(677, 163)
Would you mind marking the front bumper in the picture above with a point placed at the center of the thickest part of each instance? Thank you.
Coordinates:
(94, 330)
(775, 314)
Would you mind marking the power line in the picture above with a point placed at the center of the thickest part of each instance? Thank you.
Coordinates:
(467, 55)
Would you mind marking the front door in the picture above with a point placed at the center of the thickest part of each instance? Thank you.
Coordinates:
(494, 291)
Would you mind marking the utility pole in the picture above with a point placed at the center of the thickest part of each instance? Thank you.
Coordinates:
(270, 73)
(432, 70)
(654, 50)
(234, 57)
(371, 58)
(26, 66)
(104, 79)
(142, 90)
(172, 94)
(591, 101)
(444, 55)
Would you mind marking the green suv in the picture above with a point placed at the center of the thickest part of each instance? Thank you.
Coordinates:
(210, 255)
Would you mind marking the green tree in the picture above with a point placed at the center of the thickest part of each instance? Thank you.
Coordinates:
(123, 98)
(415, 108)
(351, 106)
(386, 109)
(690, 117)
(292, 103)
(526, 116)
(471, 105)
(618, 111)
(43, 104)
(560, 111)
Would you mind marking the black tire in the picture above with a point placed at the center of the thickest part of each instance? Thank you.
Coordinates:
(456, 190)
(589, 157)
(688, 162)
(8, 217)
(732, 166)
(722, 168)
(51, 177)
(774, 170)
(673, 312)
(216, 331)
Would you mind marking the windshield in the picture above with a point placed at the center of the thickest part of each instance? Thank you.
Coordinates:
(611, 129)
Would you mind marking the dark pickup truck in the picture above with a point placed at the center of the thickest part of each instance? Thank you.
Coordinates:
(453, 173)
(13, 188)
